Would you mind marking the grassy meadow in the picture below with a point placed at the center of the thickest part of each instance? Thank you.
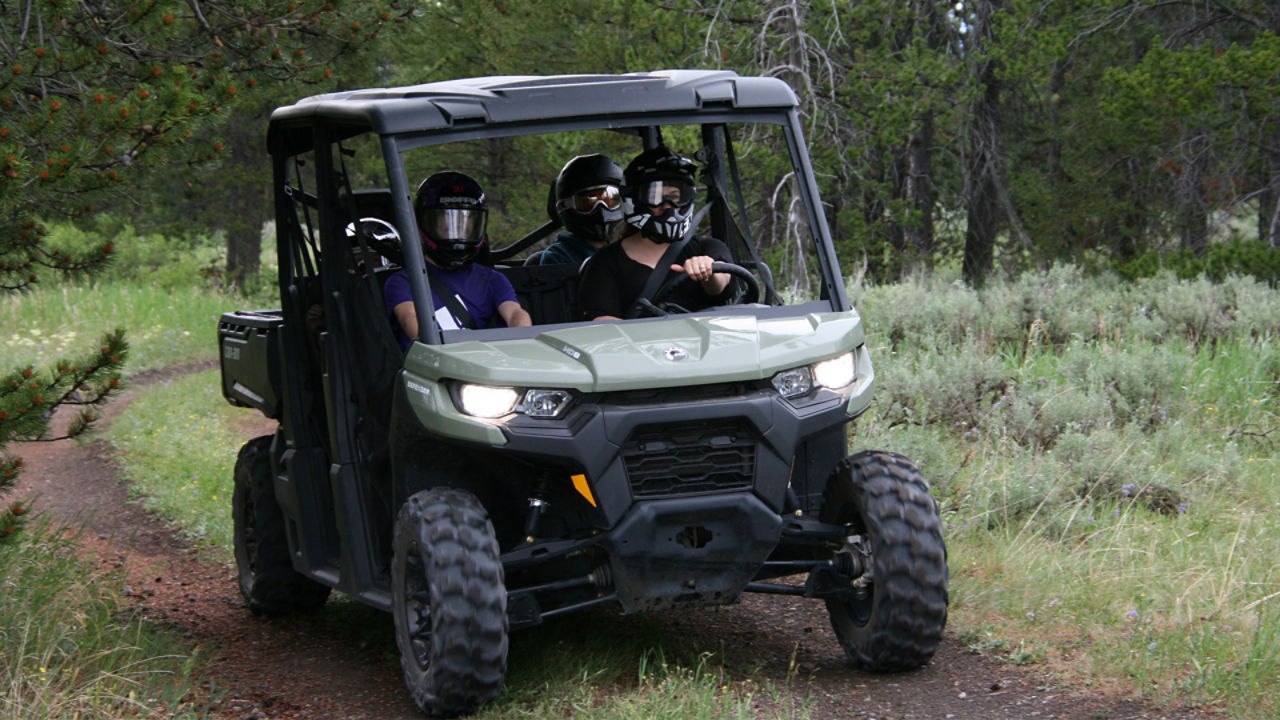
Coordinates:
(1104, 455)
(1105, 458)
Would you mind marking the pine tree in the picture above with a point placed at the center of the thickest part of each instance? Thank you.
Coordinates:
(91, 96)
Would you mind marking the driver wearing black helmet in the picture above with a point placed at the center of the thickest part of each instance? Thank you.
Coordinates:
(657, 210)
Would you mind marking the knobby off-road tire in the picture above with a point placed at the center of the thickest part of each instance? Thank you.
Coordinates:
(450, 602)
(268, 582)
(895, 620)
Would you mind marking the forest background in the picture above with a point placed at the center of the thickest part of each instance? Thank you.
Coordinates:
(979, 136)
(988, 136)
(1069, 149)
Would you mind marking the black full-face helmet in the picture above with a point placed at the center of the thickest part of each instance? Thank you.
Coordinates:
(589, 196)
(658, 178)
(451, 213)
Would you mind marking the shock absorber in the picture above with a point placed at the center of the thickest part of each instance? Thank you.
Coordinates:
(537, 505)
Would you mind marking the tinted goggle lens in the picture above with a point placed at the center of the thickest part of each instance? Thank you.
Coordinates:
(584, 201)
(672, 192)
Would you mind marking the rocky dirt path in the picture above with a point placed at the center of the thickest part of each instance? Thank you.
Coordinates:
(304, 667)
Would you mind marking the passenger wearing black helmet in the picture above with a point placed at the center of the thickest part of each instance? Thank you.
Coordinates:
(589, 203)
(451, 213)
(657, 211)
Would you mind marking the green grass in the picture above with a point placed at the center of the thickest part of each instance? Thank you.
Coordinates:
(177, 445)
(602, 666)
(71, 647)
(1104, 455)
(164, 327)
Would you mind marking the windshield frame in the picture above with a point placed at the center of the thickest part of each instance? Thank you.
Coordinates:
(645, 126)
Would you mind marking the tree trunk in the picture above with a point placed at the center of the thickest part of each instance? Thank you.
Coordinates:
(1269, 198)
(981, 187)
(244, 235)
(247, 206)
(1192, 205)
(244, 248)
(919, 234)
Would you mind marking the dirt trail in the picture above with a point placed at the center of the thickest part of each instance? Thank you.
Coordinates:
(305, 667)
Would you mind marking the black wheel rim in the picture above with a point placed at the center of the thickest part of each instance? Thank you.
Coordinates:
(864, 588)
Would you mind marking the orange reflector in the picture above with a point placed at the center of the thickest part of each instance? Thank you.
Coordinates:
(580, 484)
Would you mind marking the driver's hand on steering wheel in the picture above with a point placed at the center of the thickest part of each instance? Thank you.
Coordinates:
(699, 268)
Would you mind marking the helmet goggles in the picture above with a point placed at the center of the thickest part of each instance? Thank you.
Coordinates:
(585, 200)
(677, 193)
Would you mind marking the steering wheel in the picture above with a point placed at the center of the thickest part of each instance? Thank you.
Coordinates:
(748, 291)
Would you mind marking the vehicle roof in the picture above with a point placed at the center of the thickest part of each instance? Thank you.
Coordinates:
(522, 98)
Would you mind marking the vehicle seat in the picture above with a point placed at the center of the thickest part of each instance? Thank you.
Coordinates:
(548, 292)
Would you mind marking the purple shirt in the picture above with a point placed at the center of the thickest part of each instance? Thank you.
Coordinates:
(481, 290)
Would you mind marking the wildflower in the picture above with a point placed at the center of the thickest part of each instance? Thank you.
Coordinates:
(1128, 489)
(1054, 603)
(1182, 508)
(1132, 614)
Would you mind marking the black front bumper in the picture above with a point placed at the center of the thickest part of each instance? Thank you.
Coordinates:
(690, 551)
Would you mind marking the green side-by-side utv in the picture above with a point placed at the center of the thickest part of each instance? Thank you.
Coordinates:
(491, 480)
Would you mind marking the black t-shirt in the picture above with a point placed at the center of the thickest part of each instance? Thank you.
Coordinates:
(612, 281)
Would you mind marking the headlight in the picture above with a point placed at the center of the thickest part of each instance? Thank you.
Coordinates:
(793, 382)
(544, 403)
(485, 401)
(836, 372)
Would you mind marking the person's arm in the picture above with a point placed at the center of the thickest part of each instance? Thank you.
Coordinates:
(698, 268)
(408, 319)
(502, 298)
(514, 315)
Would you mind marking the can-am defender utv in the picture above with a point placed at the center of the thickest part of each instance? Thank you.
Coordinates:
(488, 480)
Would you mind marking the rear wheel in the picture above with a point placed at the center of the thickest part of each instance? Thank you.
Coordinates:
(449, 602)
(894, 616)
(268, 582)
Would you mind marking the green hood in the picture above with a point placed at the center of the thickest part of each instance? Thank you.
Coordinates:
(690, 350)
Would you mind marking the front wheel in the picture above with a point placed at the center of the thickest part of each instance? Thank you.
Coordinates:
(449, 602)
(894, 614)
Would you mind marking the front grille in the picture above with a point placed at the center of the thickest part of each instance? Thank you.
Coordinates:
(691, 457)
(689, 394)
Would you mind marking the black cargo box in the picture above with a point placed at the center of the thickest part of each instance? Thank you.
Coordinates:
(249, 344)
